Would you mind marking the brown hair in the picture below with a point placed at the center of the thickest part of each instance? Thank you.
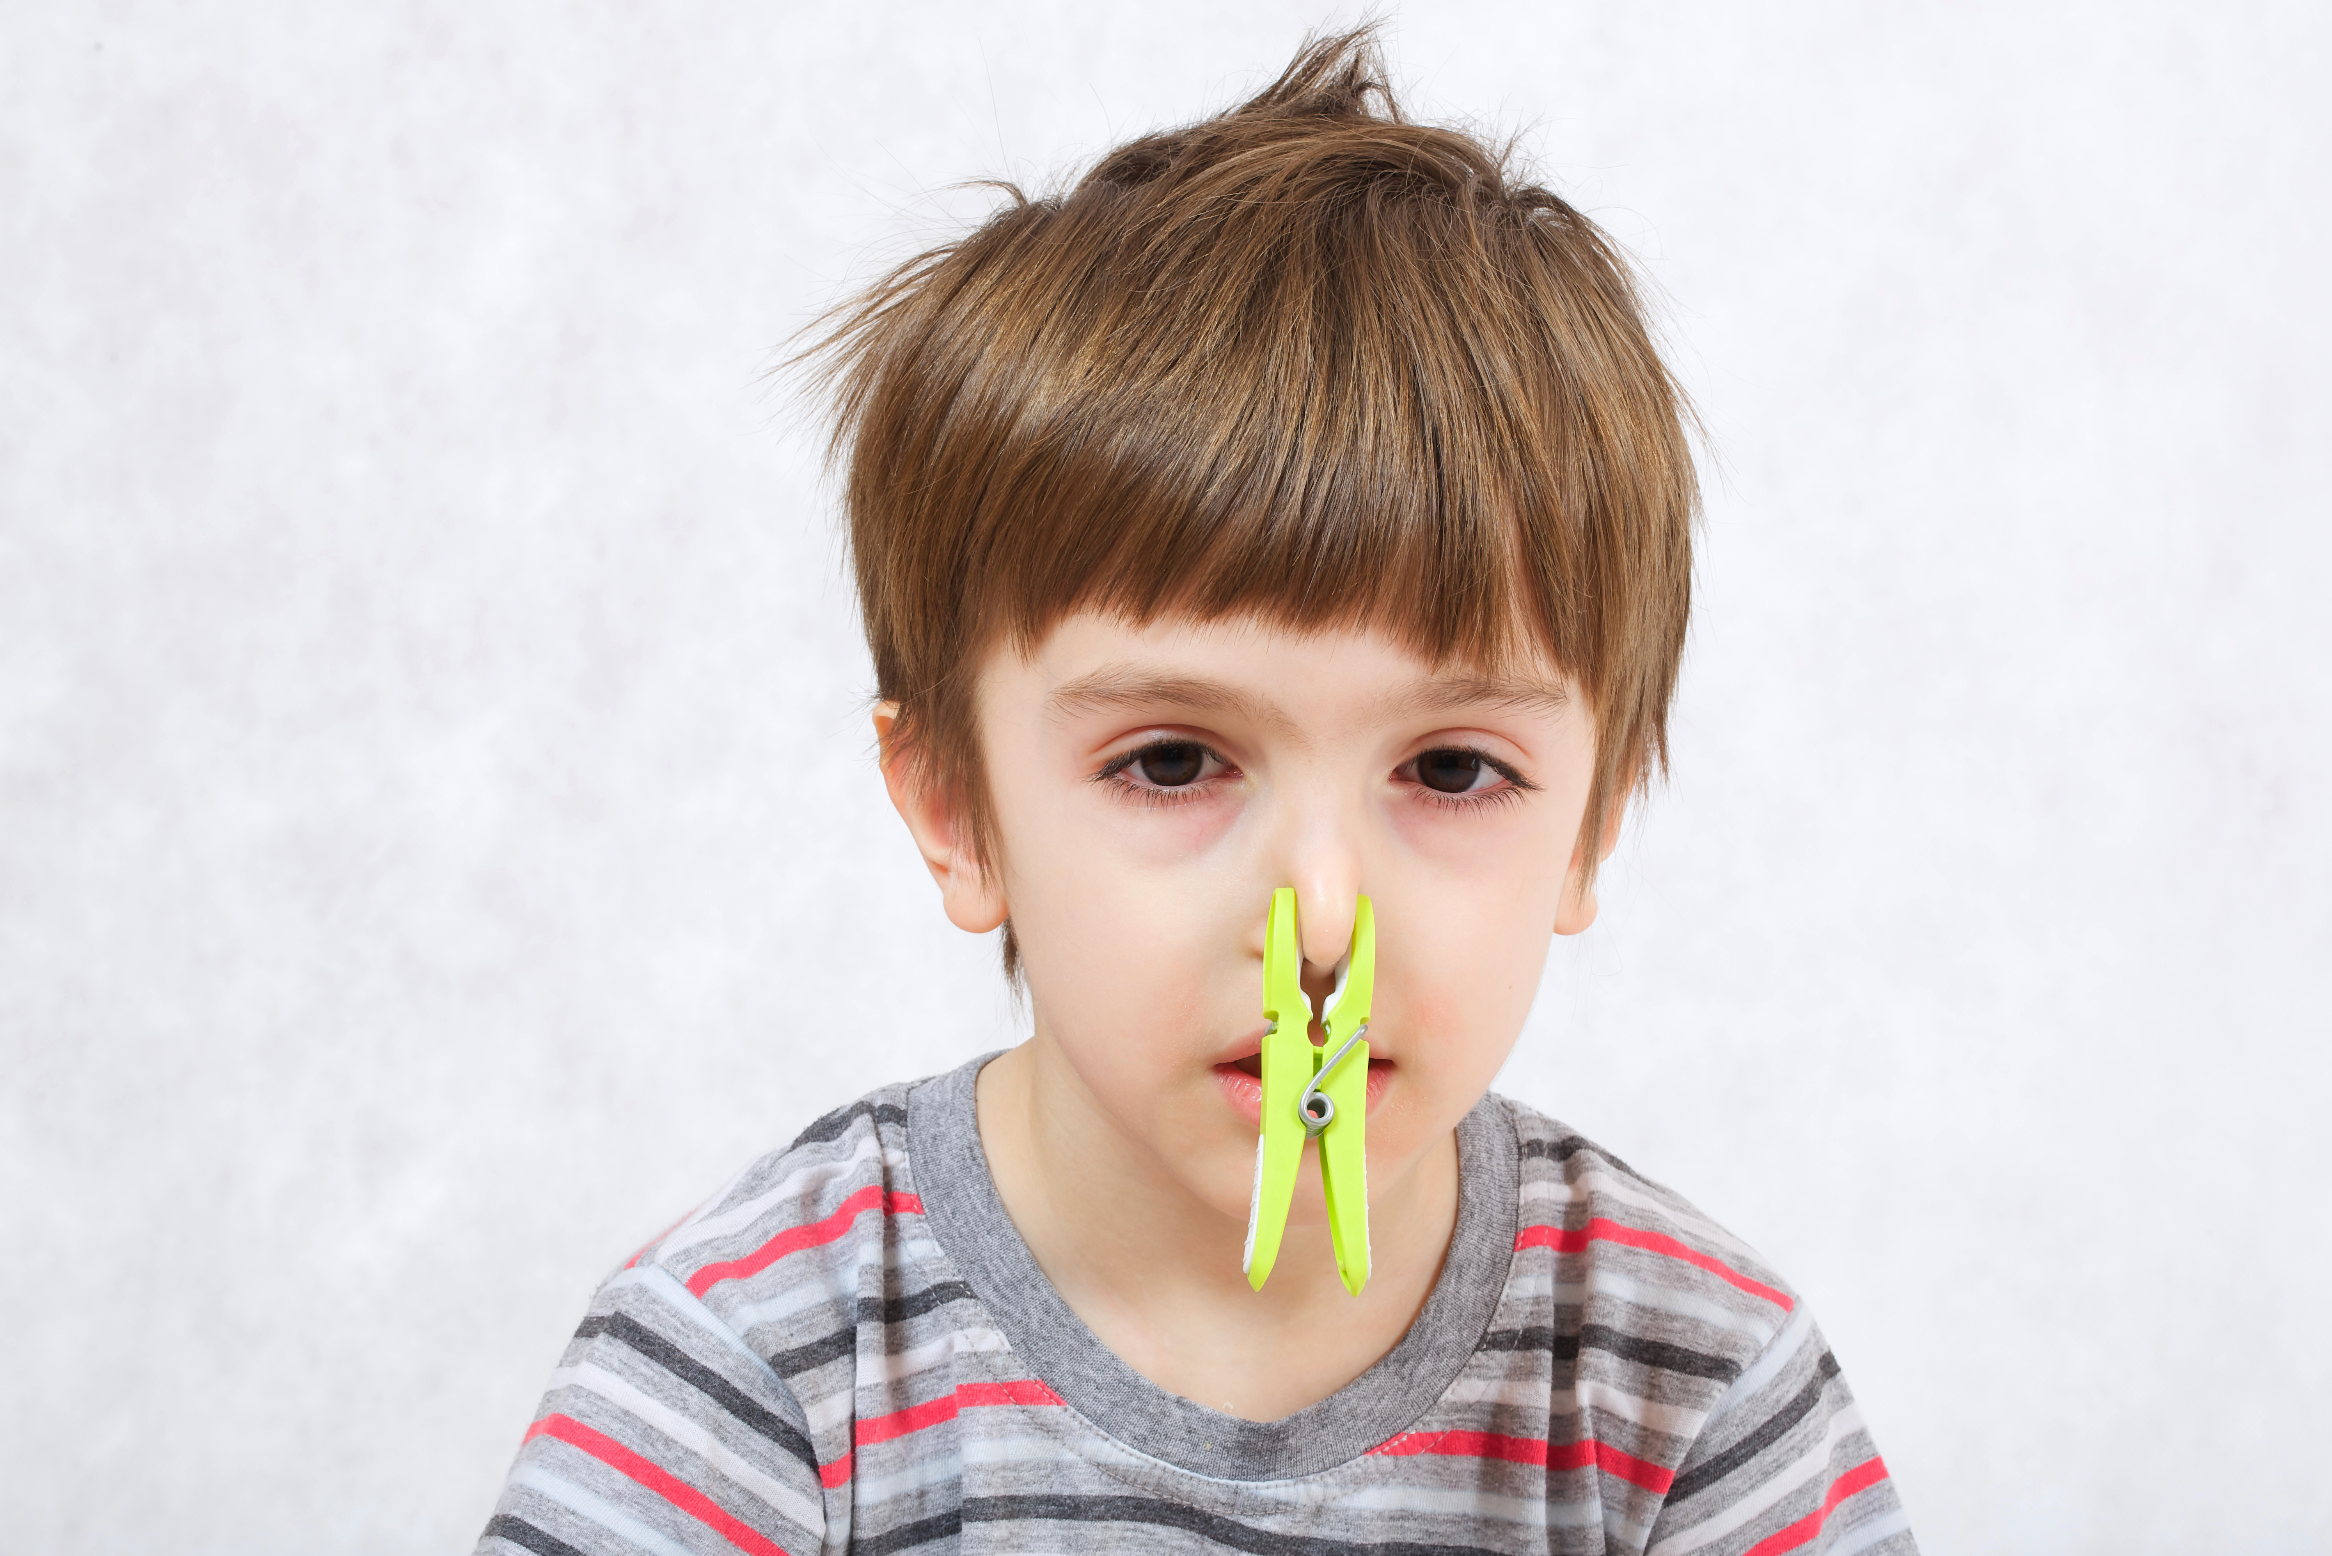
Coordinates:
(1304, 359)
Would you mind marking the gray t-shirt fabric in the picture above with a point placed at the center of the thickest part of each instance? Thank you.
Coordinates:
(850, 1348)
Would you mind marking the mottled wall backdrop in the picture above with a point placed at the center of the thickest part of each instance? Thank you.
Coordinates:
(439, 840)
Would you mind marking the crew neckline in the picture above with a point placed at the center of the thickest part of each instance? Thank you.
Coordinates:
(965, 1215)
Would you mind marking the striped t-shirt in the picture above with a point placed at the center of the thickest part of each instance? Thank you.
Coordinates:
(851, 1349)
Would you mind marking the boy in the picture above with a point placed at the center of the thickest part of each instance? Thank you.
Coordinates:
(1300, 503)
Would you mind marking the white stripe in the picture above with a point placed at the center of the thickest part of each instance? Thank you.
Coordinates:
(841, 1285)
(1771, 1360)
(1493, 1389)
(694, 1436)
(595, 1509)
(1029, 1448)
(998, 1441)
(1756, 1323)
(865, 1491)
(1863, 1536)
(682, 1302)
(1677, 1420)
(1464, 1501)
(1536, 1394)
(1627, 1534)
(842, 1404)
(894, 1365)
(799, 1185)
(1602, 1185)
(1812, 1465)
(1022, 1448)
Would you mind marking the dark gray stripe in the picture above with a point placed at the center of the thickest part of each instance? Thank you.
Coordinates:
(1709, 1471)
(1568, 1146)
(1223, 1531)
(1613, 1342)
(1657, 1353)
(844, 1342)
(897, 1310)
(837, 1123)
(940, 1526)
(965, 1217)
(519, 1532)
(630, 1332)
(790, 1365)
(1537, 1337)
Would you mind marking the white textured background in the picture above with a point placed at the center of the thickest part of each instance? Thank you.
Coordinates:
(438, 840)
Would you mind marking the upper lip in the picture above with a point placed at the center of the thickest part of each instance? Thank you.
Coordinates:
(1249, 1046)
(1246, 1047)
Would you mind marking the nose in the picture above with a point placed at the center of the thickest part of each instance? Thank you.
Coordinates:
(1326, 875)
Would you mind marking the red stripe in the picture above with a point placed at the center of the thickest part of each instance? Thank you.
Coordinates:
(967, 1396)
(1575, 1240)
(1531, 1450)
(834, 1474)
(681, 1495)
(1860, 1478)
(795, 1238)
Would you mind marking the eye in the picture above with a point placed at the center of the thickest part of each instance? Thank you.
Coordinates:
(1461, 778)
(1166, 772)
(1455, 772)
(1170, 766)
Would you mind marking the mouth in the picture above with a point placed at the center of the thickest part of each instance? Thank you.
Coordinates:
(1241, 1083)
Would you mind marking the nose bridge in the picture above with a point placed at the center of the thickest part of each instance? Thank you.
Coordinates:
(1324, 866)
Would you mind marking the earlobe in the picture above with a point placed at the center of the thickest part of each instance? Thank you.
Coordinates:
(968, 891)
(1577, 910)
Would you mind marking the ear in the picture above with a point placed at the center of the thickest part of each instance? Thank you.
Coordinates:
(973, 899)
(1577, 909)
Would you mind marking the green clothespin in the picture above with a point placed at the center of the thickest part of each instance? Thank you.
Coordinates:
(1313, 1094)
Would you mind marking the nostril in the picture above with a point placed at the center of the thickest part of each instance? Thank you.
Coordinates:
(1321, 983)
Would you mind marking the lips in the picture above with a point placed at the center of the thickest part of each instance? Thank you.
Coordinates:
(1241, 1083)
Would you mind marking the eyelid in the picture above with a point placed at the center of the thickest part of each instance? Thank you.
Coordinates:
(1114, 777)
(1151, 742)
(1509, 771)
(1113, 771)
(1514, 791)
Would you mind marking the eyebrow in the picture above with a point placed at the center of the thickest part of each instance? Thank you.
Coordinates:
(1505, 693)
(1126, 688)
(1122, 687)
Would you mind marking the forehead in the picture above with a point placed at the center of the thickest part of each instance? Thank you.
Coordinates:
(1256, 671)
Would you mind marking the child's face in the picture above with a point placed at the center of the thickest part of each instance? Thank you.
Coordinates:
(1153, 786)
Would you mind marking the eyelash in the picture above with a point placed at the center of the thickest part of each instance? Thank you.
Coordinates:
(1517, 786)
(1113, 774)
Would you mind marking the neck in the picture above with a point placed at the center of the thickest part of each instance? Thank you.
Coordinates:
(1153, 1268)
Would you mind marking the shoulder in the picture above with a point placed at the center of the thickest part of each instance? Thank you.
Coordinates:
(684, 1372)
(1639, 1260)
(795, 1220)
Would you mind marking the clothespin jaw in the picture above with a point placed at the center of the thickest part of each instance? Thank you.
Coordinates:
(1286, 1063)
(1313, 1093)
(1343, 1081)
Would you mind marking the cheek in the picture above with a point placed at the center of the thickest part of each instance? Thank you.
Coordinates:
(1128, 962)
(1461, 1014)
(1496, 854)
(1161, 837)
(1463, 950)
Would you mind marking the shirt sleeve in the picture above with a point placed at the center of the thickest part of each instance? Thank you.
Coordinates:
(1784, 1464)
(661, 1432)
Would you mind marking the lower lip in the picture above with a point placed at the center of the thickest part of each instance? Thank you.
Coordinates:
(1244, 1092)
